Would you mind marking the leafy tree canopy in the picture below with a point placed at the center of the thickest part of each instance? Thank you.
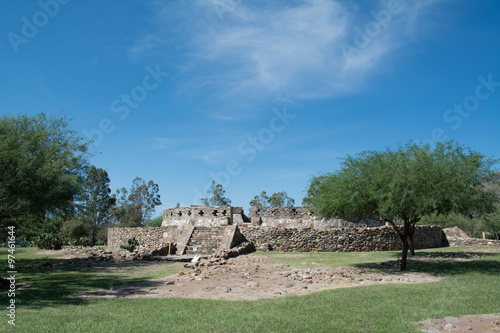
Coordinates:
(96, 201)
(279, 199)
(42, 167)
(405, 184)
(260, 201)
(215, 196)
(135, 207)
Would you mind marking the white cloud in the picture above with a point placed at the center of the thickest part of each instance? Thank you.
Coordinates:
(248, 50)
(167, 143)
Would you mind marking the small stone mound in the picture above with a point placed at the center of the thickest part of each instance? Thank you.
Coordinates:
(457, 237)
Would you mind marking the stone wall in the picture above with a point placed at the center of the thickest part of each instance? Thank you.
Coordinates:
(289, 239)
(149, 239)
(204, 216)
(302, 218)
(338, 240)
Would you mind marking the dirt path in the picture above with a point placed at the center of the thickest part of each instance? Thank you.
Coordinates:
(251, 278)
(489, 323)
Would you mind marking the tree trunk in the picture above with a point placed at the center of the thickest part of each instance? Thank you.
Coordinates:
(411, 231)
(405, 236)
(404, 255)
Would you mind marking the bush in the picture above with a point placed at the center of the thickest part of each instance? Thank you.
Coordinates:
(132, 243)
(156, 222)
(471, 226)
(84, 241)
(102, 235)
(73, 229)
(49, 242)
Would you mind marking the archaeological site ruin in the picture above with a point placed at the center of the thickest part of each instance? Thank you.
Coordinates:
(205, 230)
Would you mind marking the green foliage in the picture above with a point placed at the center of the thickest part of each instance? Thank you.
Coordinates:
(73, 229)
(405, 184)
(102, 236)
(84, 241)
(132, 243)
(156, 222)
(491, 222)
(260, 201)
(466, 287)
(32, 226)
(49, 242)
(215, 196)
(134, 208)
(41, 166)
(96, 202)
(279, 199)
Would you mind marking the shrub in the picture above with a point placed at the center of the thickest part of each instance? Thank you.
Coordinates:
(132, 243)
(49, 242)
(156, 222)
(73, 229)
(84, 241)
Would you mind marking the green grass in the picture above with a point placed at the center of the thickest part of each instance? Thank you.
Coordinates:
(306, 260)
(468, 287)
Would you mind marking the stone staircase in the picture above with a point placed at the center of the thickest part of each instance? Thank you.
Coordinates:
(204, 240)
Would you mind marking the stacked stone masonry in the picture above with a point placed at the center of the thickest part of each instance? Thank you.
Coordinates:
(207, 216)
(286, 240)
(302, 218)
(205, 240)
(149, 239)
(287, 229)
(339, 240)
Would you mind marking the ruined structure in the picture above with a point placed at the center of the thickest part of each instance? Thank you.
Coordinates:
(204, 216)
(206, 229)
(265, 217)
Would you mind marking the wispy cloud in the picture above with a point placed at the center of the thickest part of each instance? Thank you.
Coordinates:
(280, 49)
(168, 143)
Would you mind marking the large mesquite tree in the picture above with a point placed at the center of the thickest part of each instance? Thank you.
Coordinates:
(42, 167)
(404, 184)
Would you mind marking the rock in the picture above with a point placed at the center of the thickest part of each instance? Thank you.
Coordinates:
(252, 284)
(452, 320)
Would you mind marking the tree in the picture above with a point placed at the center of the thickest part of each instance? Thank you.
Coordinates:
(96, 201)
(135, 208)
(215, 196)
(156, 222)
(42, 165)
(260, 201)
(405, 184)
(492, 223)
(279, 199)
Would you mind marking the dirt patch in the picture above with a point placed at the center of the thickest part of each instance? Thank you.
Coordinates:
(251, 278)
(61, 254)
(487, 323)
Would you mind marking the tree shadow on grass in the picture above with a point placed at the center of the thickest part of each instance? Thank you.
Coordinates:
(51, 286)
(447, 263)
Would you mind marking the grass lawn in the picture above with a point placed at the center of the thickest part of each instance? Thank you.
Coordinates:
(468, 287)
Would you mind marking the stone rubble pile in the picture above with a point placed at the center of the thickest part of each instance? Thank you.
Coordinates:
(457, 237)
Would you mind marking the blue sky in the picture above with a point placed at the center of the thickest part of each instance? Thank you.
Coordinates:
(258, 95)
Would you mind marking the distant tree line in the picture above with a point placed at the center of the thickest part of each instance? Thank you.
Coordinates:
(50, 191)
